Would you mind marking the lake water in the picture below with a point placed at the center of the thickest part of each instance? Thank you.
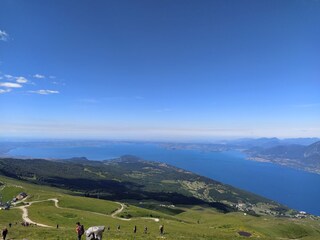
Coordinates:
(294, 188)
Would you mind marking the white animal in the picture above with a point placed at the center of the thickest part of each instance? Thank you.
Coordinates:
(94, 233)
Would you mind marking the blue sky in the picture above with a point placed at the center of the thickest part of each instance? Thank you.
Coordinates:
(159, 69)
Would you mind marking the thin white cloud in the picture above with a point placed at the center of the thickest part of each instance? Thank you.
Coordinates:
(4, 36)
(58, 83)
(52, 77)
(5, 91)
(39, 76)
(7, 76)
(45, 92)
(10, 85)
(21, 80)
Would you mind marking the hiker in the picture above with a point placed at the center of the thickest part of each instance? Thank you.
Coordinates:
(118, 228)
(10, 224)
(108, 228)
(135, 229)
(161, 229)
(145, 230)
(57, 226)
(4, 233)
(79, 230)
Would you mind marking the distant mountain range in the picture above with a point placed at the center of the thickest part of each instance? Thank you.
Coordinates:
(292, 155)
(300, 153)
(271, 142)
(313, 151)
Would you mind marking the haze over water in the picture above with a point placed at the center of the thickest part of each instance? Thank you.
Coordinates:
(294, 188)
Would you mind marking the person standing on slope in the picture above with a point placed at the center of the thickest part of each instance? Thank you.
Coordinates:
(161, 228)
(79, 230)
(4, 233)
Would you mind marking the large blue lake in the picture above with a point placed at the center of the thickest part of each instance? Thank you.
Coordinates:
(294, 188)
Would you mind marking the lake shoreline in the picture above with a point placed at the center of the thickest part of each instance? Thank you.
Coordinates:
(286, 185)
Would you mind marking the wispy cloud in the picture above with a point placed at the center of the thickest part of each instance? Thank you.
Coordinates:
(58, 83)
(45, 92)
(4, 36)
(21, 80)
(10, 85)
(10, 82)
(39, 76)
(7, 76)
(5, 91)
(17, 79)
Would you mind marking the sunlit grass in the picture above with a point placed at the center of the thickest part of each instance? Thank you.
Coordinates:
(194, 223)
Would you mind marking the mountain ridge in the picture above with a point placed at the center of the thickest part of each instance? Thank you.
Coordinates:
(297, 156)
(134, 179)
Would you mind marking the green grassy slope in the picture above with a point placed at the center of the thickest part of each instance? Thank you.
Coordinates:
(131, 178)
(9, 192)
(191, 222)
(88, 204)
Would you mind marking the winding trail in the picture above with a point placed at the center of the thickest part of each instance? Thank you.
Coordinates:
(115, 213)
(25, 213)
(123, 206)
(56, 201)
(118, 210)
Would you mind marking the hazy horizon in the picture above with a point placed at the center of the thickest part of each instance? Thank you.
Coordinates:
(144, 140)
